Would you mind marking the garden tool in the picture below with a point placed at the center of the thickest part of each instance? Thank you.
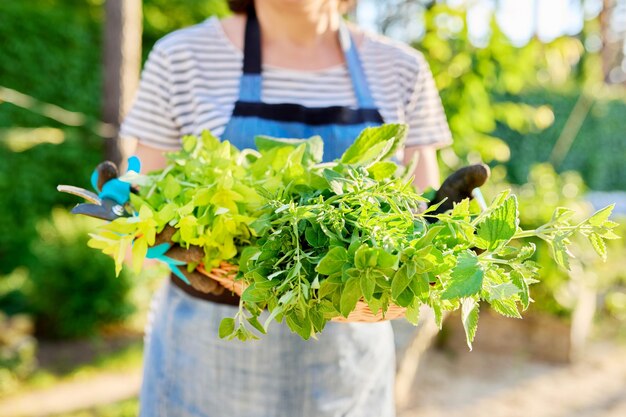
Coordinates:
(462, 183)
(109, 204)
(113, 194)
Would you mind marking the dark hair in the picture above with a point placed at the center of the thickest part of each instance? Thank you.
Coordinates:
(241, 6)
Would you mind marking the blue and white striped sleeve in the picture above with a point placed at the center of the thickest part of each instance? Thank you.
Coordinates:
(424, 112)
(151, 118)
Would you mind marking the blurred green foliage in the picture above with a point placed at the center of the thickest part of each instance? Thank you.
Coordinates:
(599, 149)
(51, 52)
(83, 294)
(17, 350)
(478, 83)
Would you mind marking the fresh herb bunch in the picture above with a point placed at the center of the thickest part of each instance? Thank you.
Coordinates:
(314, 239)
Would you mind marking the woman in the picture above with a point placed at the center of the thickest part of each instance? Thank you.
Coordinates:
(287, 68)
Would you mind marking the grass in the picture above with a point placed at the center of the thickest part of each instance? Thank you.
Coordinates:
(126, 408)
(71, 361)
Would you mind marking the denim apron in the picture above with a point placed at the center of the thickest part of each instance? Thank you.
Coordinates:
(348, 371)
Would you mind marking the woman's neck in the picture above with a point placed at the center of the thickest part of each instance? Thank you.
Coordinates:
(298, 23)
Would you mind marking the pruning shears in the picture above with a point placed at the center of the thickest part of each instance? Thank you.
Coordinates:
(112, 193)
(110, 203)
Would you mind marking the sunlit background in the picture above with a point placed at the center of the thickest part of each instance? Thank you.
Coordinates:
(534, 88)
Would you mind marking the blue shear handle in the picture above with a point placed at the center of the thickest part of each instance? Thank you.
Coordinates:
(158, 252)
(116, 190)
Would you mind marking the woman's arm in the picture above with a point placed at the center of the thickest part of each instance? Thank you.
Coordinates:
(427, 170)
(151, 158)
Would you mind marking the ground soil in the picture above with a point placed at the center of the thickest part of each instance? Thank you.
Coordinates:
(473, 384)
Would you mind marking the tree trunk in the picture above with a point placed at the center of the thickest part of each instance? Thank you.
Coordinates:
(122, 62)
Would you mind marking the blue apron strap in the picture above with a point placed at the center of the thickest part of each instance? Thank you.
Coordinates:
(359, 81)
(250, 83)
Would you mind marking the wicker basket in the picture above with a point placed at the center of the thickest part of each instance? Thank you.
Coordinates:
(225, 275)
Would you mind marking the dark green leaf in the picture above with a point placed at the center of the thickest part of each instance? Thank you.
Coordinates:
(333, 261)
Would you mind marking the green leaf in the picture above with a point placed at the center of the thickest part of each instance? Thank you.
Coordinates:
(350, 295)
(315, 236)
(367, 145)
(562, 214)
(506, 307)
(365, 257)
(601, 216)
(560, 253)
(314, 146)
(386, 259)
(252, 294)
(139, 251)
(501, 291)
(171, 188)
(461, 209)
(598, 245)
(382, 170)
(467, 277)
(335, 181)
(469, 317)
(273, 315)
(333, 261)
(400, 281)
(499, 226)
(254, 322)
(368, 284)
(227, 327)
(412, 314)
(405, 298)
(520, 282)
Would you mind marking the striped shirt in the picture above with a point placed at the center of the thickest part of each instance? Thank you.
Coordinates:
(190, 83)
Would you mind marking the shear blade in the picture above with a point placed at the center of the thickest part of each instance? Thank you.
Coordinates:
(80, 192)
(95, 210)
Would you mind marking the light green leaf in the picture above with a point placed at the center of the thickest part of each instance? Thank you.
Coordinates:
(601, 216)
(461, 209)
(560, 253)
(382, 170)
(506, 307)
(139, 251)
(227, 327)
(412, 314)
(501, 291)
(520, 282)
(467, 277)
(499, 226)
(171, 188)
(469, 317)
(598, 245)
(386, 259)
(371, 138)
